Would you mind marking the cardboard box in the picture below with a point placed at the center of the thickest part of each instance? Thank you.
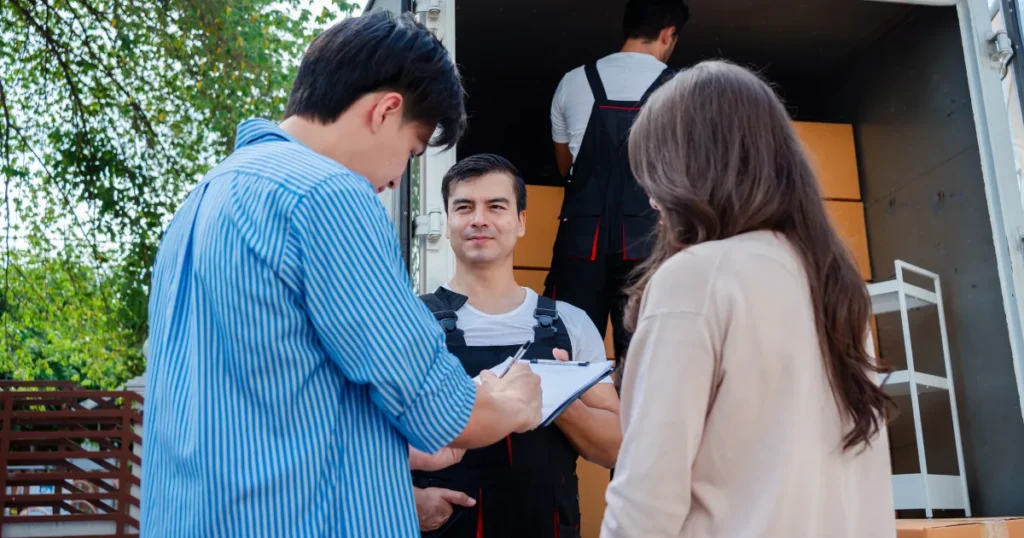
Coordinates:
(831, 150)
(543, 204)
(593, 481)
(848, 219)
(960, 528)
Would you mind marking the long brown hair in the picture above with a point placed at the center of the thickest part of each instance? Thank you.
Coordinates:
(716, 151)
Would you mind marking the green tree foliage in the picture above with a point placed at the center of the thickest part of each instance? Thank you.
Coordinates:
(110, 110)
(66, 327)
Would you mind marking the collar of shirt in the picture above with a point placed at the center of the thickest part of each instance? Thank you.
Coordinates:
(258, 130)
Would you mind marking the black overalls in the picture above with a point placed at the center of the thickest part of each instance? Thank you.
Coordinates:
(525, 485)
(606, 224)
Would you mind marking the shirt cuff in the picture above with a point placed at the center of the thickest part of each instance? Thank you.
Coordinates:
(441, 412)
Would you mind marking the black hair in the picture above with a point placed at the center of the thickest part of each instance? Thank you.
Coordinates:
(374, 52)
(479, 165)
(645, 19)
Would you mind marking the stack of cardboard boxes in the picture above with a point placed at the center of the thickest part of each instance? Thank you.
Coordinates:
(832, 153)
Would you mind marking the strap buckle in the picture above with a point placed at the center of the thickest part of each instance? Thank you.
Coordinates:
(545, 317)
(447, 319)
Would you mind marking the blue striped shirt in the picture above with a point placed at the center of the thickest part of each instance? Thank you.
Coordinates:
(291, 363)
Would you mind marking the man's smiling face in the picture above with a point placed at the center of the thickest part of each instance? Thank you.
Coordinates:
(483, 221)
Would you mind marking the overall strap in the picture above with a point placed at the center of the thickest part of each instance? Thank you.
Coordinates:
(596, 87)
(662, 78)
(548, 324)
(443, 303)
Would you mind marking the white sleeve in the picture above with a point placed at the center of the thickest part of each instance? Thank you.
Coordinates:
(559, 127)
(587, 344)
(666, 390)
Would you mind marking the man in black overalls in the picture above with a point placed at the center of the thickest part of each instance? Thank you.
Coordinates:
(525, 485)
(606, 222)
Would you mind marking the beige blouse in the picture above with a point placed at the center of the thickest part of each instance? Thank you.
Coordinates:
(730, 427)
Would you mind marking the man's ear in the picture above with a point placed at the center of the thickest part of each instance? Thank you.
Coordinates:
(522, 223)
(666, 35)
(388, 106)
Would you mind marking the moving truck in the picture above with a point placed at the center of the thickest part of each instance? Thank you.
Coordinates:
(911, 116)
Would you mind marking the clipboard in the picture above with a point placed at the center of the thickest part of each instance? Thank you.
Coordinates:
(561, 382)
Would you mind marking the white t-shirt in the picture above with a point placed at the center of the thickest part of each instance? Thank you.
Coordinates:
(516, 327)
(626, 76)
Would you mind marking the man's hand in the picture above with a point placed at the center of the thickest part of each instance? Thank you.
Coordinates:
(519, 391)
(444, 458)
(511, 404)
(560, 355)
(435, 505)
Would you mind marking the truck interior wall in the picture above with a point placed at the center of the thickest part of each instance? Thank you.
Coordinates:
(907, 97)
(902, 85)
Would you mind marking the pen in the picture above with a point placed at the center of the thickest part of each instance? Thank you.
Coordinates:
(515, 358)
(562, 363)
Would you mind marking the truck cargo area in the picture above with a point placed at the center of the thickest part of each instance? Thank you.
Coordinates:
(895, 75)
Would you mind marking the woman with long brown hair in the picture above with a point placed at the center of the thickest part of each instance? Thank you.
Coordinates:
(750, 403)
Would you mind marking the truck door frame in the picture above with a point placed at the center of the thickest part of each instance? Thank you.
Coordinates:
(436, 259)
(1003, 195)
(397, 201)
(1002, 192)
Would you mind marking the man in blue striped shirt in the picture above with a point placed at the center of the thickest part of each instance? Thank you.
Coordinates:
(291, 364)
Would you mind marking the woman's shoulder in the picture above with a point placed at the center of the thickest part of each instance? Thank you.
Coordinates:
(758, 250)
(690, 278)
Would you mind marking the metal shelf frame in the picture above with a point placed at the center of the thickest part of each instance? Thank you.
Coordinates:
(921, 490)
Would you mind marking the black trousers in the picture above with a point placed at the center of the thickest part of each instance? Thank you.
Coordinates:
(598, 288)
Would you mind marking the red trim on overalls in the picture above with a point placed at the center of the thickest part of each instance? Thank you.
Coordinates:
(610, 107)
(480, 514)
(508, 441)
(597, 232)
(624, 257)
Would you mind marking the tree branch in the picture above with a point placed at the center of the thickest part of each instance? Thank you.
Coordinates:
(133, 103)
(64, 195)
(8, 124)
(47, 35)
(92, 11)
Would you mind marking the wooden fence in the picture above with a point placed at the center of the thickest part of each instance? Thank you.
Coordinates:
(70, 456)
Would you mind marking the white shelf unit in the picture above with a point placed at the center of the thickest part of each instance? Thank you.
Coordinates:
(922, 490)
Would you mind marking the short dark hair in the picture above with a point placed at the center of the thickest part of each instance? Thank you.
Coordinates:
(374, 52)
(479, 165)
(645, 19)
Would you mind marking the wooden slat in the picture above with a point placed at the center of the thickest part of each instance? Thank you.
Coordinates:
(59, 477)
(114, 535)
(83, 415)
(62, 518)
(7, 384)
(40, 500)
(111, 468)
(44, 435)
(15, 458)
